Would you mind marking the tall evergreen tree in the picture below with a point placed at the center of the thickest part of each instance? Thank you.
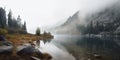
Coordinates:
(19, 22)
(24, 27)
(96, 28)
(10, 19)
(90, 27)
(38, 31)
(2, 18)
(14, 24)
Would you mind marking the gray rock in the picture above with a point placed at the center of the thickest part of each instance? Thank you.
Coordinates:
(97, 56)
(34, 58)
(20, 47)
(28, 50)
(5, 47)
(5, 43)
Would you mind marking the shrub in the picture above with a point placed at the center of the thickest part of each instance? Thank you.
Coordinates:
(3, 31)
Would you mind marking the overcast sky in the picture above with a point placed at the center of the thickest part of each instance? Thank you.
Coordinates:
(39, 13)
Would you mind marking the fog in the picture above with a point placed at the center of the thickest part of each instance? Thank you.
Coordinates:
(49, 13)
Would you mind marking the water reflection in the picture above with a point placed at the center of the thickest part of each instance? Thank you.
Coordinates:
(56, 52)
(82, 47)
(105, 46)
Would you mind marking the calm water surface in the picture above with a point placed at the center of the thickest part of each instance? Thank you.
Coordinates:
(76, 47)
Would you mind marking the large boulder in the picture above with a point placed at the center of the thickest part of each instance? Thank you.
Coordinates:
(21, 47)
(5, 47)
(30, 52)
(27, 49)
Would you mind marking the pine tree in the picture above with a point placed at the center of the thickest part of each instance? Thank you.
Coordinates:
(14, 24)
(96, 28)
(19, 22)
(38, 31)
(90, 28)
(10, 19)
(24, 27)
(3, 18)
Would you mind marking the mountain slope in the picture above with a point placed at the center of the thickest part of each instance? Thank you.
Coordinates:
(107, 20)
(69, 27)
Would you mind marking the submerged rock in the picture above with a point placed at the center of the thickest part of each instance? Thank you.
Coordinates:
(46, 56)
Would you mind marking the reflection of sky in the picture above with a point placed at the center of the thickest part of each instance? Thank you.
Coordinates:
(57, 53)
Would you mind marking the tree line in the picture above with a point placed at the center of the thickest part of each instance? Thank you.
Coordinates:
(96, 27)
(92, 28)
(9, 22)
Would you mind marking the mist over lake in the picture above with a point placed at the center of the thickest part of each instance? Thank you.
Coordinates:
(60, 29)
(83, 47)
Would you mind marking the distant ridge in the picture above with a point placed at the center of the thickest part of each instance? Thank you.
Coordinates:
(69, 25)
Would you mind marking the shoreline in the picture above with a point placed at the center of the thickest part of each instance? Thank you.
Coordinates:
(29, 51)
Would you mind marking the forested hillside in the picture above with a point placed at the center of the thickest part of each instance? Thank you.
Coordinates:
(106, 21)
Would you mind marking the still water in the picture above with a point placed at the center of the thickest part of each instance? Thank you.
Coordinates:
(74, 47)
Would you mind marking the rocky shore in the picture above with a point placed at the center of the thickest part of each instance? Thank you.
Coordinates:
(21, 47)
